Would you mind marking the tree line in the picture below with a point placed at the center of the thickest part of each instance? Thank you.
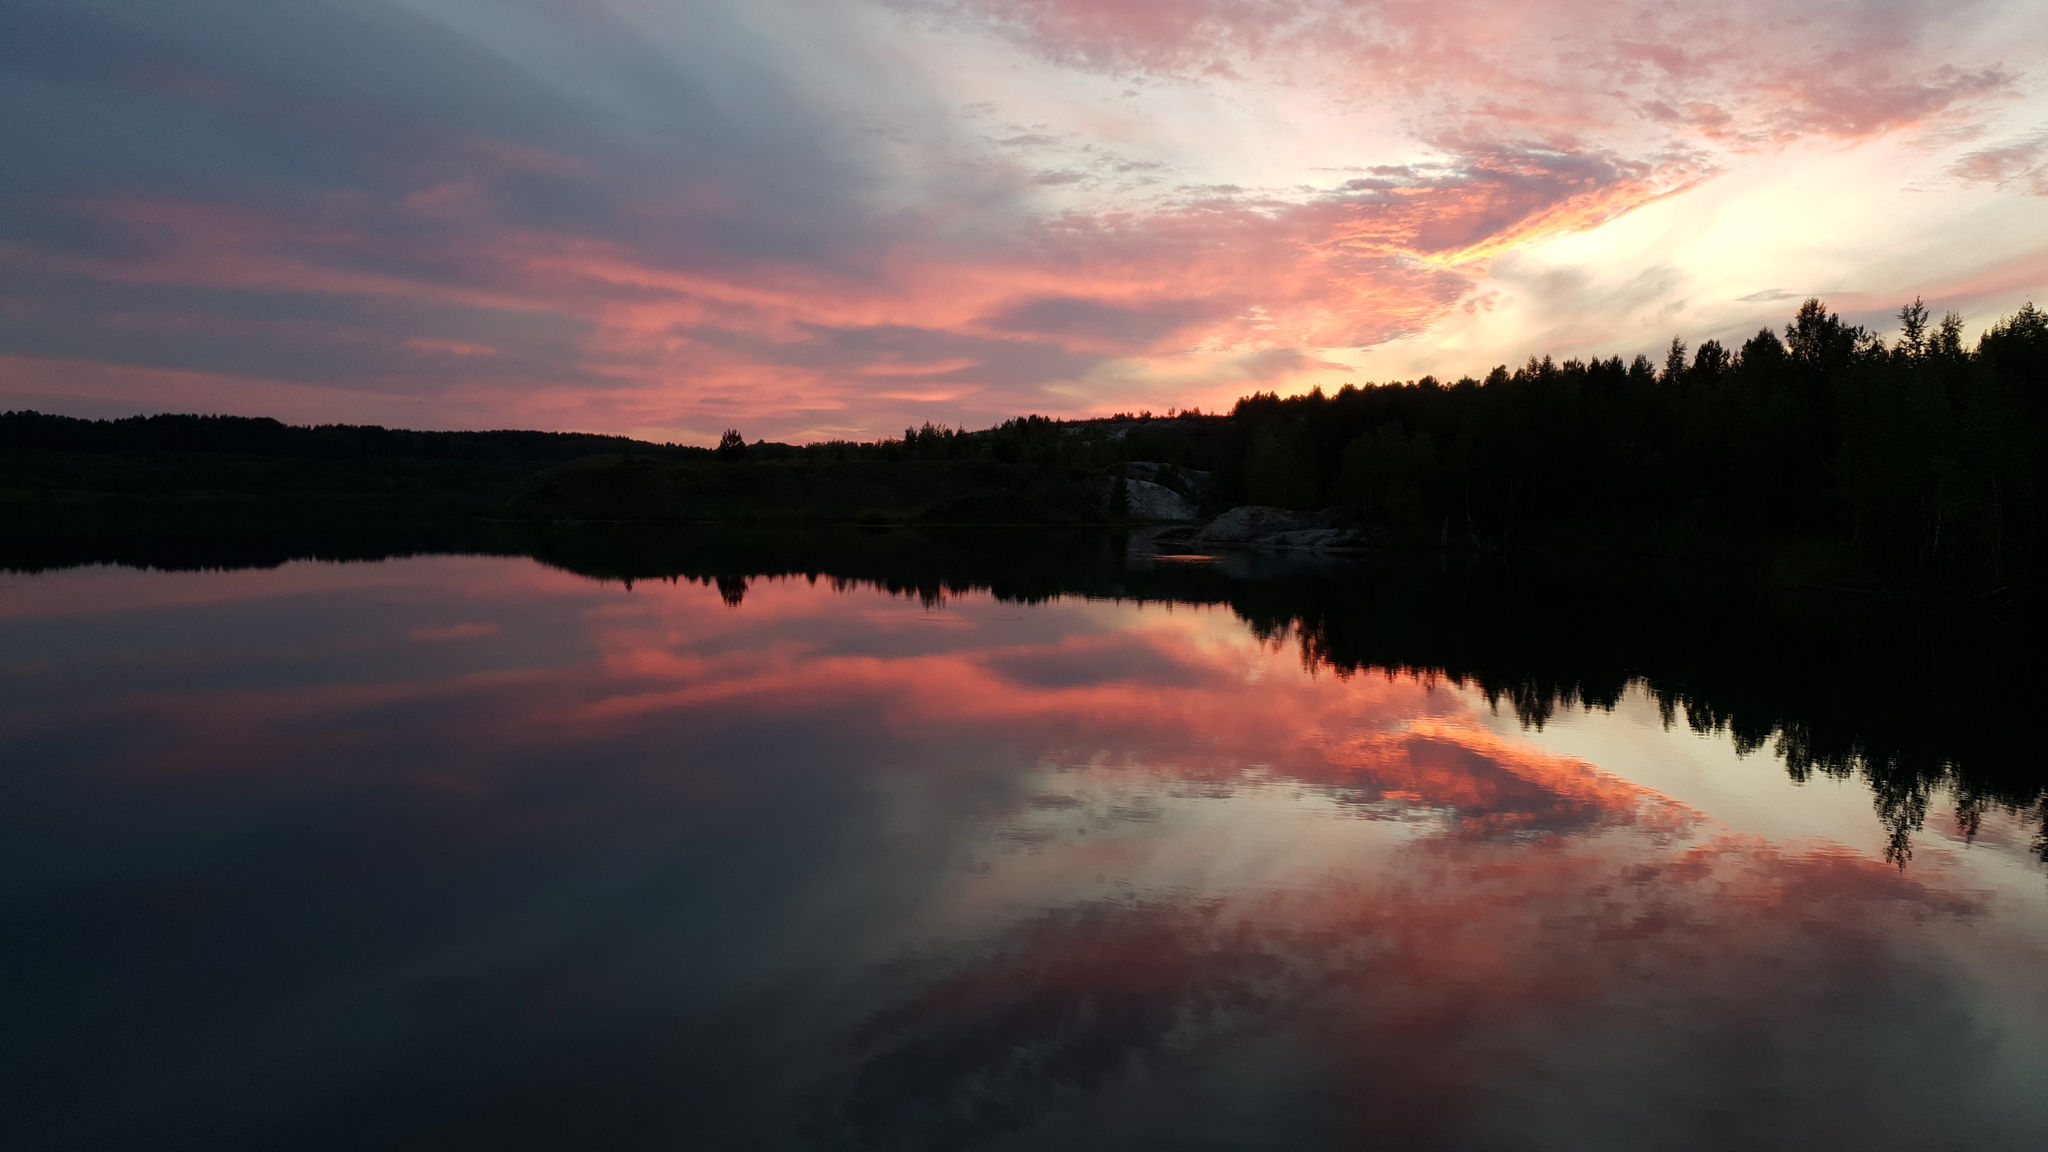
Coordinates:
(1923, 460)
(263, 436)
(1927, 455)
(1926, 703)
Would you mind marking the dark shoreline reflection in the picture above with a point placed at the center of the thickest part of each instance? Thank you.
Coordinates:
(901, 841)
(1921, 702)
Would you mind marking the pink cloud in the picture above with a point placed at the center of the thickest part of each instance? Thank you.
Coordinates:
(450, 347)
(668, 292)
(1560, 68)
(2021, 164)
(1374, 258)
(113, 389)
(469, 631)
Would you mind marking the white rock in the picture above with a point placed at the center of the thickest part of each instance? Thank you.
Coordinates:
(1144, 500)
(1251, 523)
(1187, 481)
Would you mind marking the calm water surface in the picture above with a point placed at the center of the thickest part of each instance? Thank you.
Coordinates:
(470, 852)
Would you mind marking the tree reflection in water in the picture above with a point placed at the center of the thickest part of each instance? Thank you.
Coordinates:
(758, 863)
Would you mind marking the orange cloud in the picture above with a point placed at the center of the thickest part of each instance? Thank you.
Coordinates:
(1289, 177)
(1374, 258)
(1564, 70)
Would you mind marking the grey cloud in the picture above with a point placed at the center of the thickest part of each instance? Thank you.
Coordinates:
(317, 136)
(1008, 370)
(1094, 319)
(281, 103)
(2018, 163)
(335, 341)
(1006, 363)
(1002, 377)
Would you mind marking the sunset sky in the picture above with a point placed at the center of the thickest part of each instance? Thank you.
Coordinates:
(815, 219)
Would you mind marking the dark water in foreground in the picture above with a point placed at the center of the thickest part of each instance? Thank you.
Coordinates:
(478, 852)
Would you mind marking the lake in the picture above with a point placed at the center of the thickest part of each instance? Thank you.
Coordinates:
(865, 843)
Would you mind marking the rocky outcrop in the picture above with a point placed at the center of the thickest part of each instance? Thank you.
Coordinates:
(1145, 500)
(1255, 526)
(1189, 482)
(1250, 524)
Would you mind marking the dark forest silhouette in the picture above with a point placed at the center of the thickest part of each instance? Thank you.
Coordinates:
(1916, 464)
(1925, 457)
(1923, 461)
(1923, 701)
(1919, 465)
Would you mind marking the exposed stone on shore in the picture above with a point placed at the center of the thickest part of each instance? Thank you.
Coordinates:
(1145, 500)
(1189, 482)
(1256, 526)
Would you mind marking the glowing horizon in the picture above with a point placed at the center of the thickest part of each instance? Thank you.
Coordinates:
(837, 218)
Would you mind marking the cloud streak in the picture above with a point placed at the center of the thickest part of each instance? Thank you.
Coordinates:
(834, 219)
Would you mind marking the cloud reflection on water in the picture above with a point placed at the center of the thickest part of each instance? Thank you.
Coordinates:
(1067, 875)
